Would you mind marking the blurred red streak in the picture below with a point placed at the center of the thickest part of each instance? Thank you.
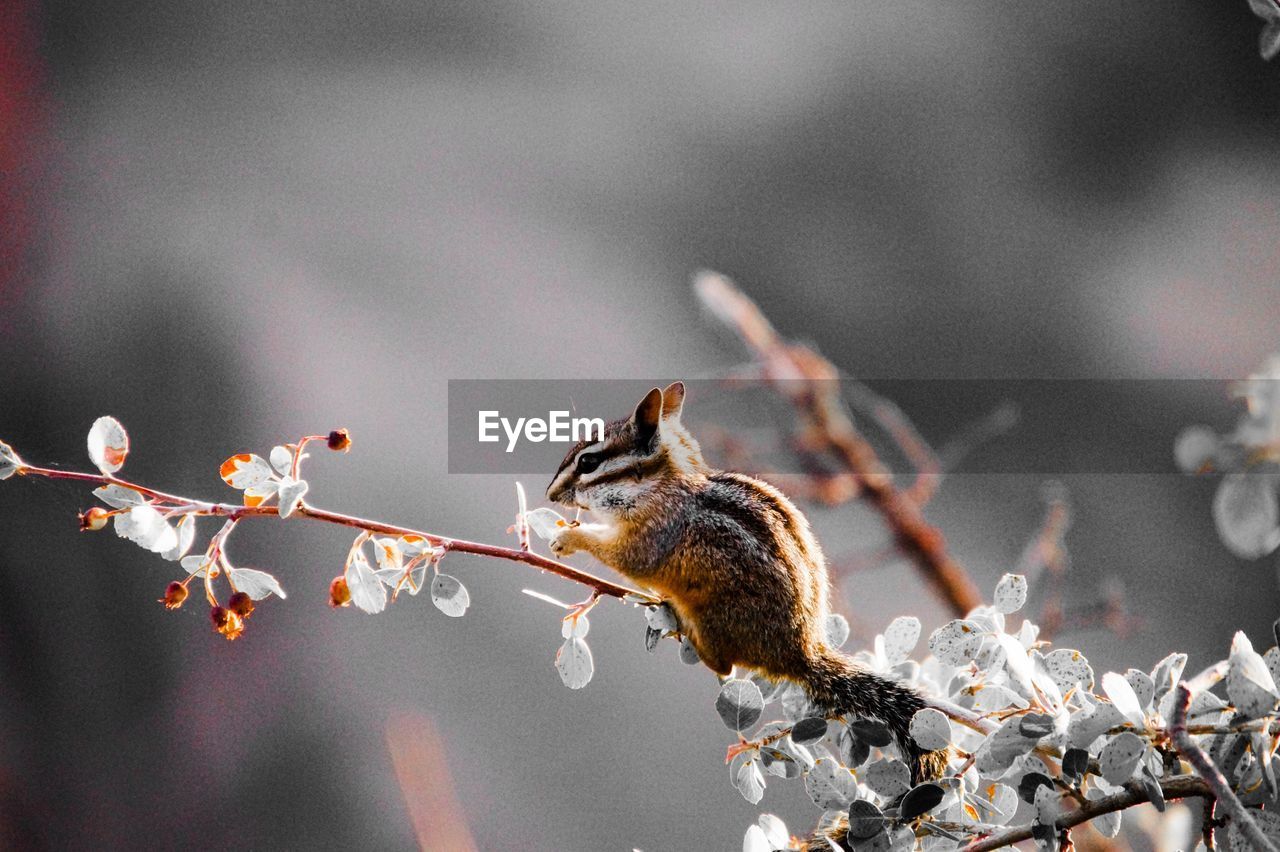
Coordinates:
(22, 125)
(423, 772)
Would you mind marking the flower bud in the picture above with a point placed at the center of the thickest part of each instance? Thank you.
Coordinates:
(339, 593)
(226, 622)
(94, 519)
(174, 594)
(241, 604)
(340, 440)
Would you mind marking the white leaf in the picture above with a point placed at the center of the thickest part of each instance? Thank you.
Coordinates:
(1247, 514)
(291, 493)
(575, 627)
(750, 782)
(1011, 593)
(417, 578)
(956, 642)
(186, 535)
(775, 831)
(390, 576)
(197, 565)
(118, 497)
(992, 696)
(1108, 825)
(1087, 726)
(388, 554)
(256, 584)
(1120, 756)
(367, 591)
(1017, 664)
(1123, 697)
(888, 778)
(836, 629)
(1068, 667)
(1249, 683)
(108, 444)
(661, 617)
(282, 460)
(413, 545)
(740, 704)
(829, 784)
(452, 598)
(930, 729)
(756, 841)
(246, 471)
(147, 528)
(900, 638)
(544, 522)
(574, 663)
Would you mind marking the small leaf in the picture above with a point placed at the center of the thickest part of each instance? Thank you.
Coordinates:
(750, 782)
(1120, 757)
(1068, 668)
(186, 536)
(1247, 515)
(1075, 763)
(739, 704)
(775, 830)
(574, 663)
(281, 460)
(119, 497)
(197, 565)
(291, 494)
(865, 820)
(956, 642)
(809, 730)
(1011, 593)
(577, 627)
(256, 584)
(887, 777)
(367, 591)
(1195, 448)
(147, 528)
(1108, 825)
(1151, 784)
(873, 732)
(245, 471)
(1249, 683)
(921, 799)
(930, 729)
(900, 638)
(651, 639)
(544, 522)
(1031, 782)
(662, 618)
(688, 654)
(1085, 727)
(108, 444)
(1036, 726)
(829, 784)
(452, 598)
(836, 629)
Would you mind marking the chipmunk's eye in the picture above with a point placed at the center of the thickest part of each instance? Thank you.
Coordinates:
(588, 462)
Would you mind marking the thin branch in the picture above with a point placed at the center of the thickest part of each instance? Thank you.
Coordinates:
(599, 585)
(1178, 787)
(810, 383)
(1212, 776)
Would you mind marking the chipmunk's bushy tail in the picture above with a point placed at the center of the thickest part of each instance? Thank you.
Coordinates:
(839, 685)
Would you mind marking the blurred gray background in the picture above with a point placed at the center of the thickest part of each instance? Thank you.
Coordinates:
(228, 224)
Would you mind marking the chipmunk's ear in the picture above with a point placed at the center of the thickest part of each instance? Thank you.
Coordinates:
(672, 401)
(646, 417)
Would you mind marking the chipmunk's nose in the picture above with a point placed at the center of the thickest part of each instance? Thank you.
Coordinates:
(560, 490)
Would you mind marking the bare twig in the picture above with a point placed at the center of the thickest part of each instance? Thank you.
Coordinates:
(810, 383)
(1205, 768)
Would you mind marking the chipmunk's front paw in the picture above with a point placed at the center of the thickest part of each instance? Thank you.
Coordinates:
(564, 542)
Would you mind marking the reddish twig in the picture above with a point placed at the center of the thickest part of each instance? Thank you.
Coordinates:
(236, 512)
(810, 384)
(1206, 769)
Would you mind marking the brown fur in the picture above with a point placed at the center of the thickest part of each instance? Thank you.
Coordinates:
(732, 555)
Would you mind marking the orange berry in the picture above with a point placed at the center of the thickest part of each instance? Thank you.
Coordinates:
(174, 594)
(339, 593)
(94, 519)
(241, 604)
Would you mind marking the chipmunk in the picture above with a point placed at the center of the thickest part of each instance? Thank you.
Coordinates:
(731, 554)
